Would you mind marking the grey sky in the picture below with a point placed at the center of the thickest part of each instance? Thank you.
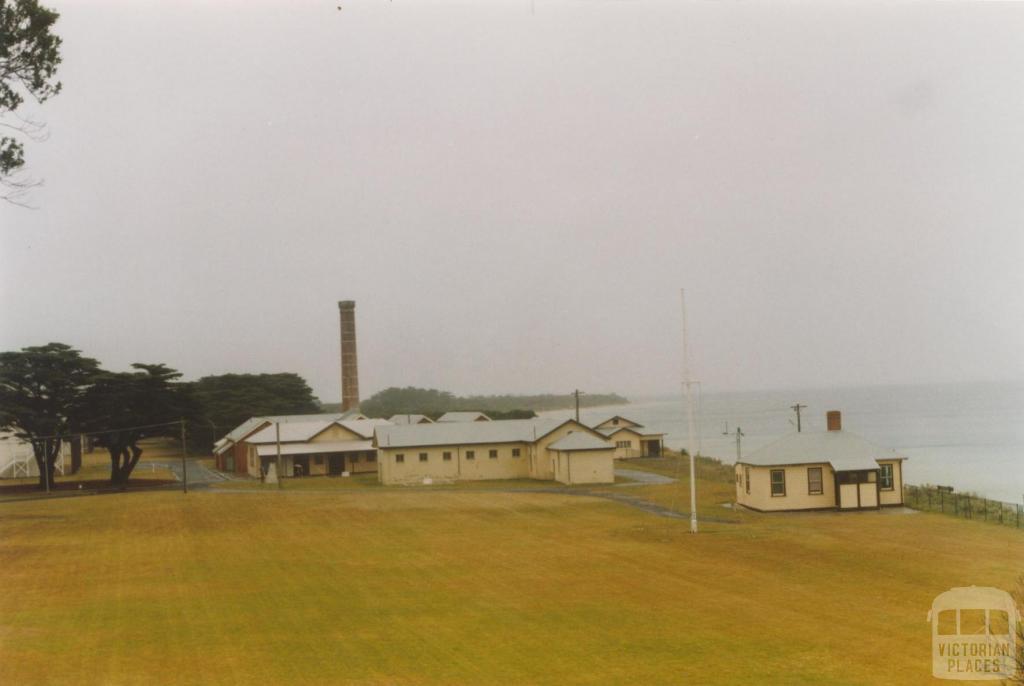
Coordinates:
(514, 200)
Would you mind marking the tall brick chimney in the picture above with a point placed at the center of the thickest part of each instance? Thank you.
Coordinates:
(834, 420)
(349, 361)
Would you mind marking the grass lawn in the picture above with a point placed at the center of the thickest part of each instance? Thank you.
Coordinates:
(469, 586)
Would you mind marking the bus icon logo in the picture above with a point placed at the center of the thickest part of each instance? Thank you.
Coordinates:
(974, 632)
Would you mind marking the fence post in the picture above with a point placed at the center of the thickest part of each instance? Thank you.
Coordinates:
(929, 500)
(942, 501)
(956, 504)
(985, 505)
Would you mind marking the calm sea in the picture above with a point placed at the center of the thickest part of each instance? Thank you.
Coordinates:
(970, 436)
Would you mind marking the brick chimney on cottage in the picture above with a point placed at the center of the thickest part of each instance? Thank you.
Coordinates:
(834, 419)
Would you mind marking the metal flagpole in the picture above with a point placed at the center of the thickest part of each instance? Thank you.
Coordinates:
(691, 443)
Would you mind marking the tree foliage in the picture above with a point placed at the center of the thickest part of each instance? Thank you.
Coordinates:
(226, 400)
(434, 403)
(29, 56)
(125, 407)
(42, 392)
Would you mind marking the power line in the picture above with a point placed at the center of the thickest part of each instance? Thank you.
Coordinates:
(104, 431)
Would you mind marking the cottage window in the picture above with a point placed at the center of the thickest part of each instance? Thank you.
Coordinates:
(470, 455)
(623, 444)
(778, 482)
(492, 454)
(814, 486)
(515, 452)
(885, 477)
(423, 457)
(319, 459)
(399, 457)
(446, 456)
(371, 457)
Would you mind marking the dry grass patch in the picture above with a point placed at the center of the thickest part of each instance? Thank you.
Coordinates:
(466, 587)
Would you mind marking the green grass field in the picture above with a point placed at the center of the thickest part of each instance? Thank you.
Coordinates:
(473, 586)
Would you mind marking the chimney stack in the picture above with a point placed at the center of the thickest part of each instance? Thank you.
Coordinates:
(834, 420)
(349, 361)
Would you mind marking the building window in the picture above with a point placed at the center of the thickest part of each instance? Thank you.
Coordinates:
(319, 459)
(885, 477)
(615, 421)
(493, 454)
(423, 457)
(515, 452)
(746, 474)
(371, 457)
(446, 456)
(623, 444)
(778, 482)
(814, 486)
(355, 458)
(470, 455)
(399, 457)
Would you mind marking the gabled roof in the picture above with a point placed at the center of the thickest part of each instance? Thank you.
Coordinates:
(842, 449)
(579, 440)
(616, 429)
(467, 433)
(292, 432)
(463, 417)
(410, 419)
(628, 422)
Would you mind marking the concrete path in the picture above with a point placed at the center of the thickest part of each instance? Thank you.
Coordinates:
(642, 478)
(198, 475)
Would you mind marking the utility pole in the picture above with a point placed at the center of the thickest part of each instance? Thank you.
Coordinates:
(739, 435)
(184, 467)
(277, 437)
(577, 394)
(796, 408)
(690, 444)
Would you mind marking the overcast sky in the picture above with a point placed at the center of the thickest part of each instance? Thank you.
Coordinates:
(515, 198)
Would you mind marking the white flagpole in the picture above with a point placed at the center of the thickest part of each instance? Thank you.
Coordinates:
(691, 446)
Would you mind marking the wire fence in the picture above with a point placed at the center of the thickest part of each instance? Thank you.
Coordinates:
(83, 469)
(945, 500)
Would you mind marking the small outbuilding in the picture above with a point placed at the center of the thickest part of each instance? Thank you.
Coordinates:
(630, 438)
(829, 470)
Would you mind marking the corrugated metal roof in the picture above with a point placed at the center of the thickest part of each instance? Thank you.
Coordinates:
(578, 440)
(410, 419)
(462, 417)
(314, 448)
(364, 427)
(842, 449)
(250, 424)
(466, 433)
(304, 431)
(291, 432)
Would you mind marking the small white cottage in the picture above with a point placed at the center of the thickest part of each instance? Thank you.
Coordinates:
(830, 470)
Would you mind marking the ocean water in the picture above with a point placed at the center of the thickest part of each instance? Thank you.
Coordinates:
(969, 436)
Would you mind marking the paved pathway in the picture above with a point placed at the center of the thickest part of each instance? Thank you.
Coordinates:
(642, 478)
(198, 475)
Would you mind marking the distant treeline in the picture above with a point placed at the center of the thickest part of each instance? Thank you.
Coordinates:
(434, 403)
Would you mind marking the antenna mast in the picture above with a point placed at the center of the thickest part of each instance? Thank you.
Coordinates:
(691, 447)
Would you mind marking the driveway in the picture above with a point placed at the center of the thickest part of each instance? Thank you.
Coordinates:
(642, 478)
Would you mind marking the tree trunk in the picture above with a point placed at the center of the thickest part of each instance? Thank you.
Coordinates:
(76, 454)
